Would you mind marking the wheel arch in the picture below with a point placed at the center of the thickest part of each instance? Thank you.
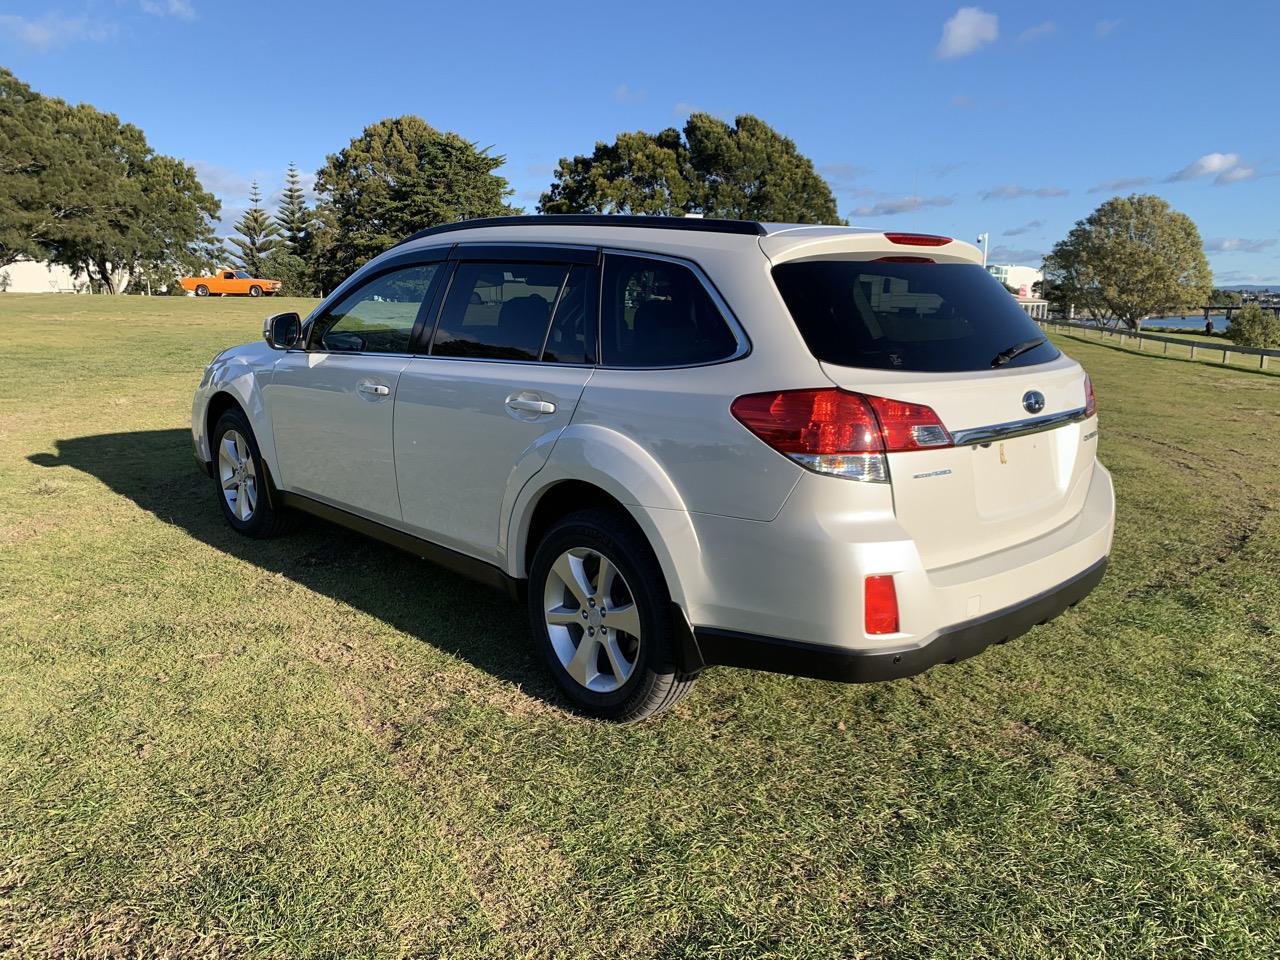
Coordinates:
(592, 466)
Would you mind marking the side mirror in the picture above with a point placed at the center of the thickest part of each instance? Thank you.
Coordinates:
(282, 330)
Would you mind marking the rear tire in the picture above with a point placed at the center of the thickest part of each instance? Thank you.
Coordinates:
(241, 481)
(202, 290)
(589, 567)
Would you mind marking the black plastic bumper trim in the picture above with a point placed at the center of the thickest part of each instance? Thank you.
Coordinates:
(732, 649)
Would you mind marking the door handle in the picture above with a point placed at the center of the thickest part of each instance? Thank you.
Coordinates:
(529, 405)
(373, 389)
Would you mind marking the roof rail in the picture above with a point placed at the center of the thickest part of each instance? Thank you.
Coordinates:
(698, 224)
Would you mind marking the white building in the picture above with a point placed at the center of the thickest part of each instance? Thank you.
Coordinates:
(1020, 278)
(30, 276)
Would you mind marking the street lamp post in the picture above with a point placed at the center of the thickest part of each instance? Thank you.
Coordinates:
(985, 240)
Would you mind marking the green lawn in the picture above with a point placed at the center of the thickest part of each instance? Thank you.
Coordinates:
(319, 747)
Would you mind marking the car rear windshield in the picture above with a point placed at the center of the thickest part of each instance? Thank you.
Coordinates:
(935, 317)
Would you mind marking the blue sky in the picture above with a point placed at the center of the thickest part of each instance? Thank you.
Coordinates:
(1012, 118)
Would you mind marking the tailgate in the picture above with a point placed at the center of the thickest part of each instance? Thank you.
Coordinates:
(1002, 484)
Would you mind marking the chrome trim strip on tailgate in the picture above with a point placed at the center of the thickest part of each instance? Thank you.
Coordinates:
(1016, 428)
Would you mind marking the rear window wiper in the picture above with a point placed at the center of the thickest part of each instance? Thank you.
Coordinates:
(1017, 350)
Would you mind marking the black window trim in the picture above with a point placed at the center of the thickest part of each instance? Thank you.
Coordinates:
(726, 313)
(555, 254)
(361, 278)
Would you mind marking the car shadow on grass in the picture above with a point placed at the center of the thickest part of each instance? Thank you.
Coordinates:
(155, 469)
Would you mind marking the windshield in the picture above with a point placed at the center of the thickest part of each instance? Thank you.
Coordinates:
(928, 317)
(241, 275)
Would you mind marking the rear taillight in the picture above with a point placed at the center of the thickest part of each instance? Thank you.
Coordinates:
(838, 432)
(917, 239)
(905, 259)
(909, 426)
(1090, 401)
(880, 605)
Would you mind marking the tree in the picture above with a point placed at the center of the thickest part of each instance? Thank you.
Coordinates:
(1252, 326)
(1226, 298)
(80, 188)
(29, 207)
(293, 215)
(258, 234)
(1131, 258)
(745, 171)
(400, 176)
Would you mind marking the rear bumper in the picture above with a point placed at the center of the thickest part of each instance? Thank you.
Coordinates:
(949, 645)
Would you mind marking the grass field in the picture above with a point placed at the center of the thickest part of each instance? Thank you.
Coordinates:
(1208, 349)
(319, 747)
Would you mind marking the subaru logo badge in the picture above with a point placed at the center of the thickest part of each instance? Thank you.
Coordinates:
(1033, 401)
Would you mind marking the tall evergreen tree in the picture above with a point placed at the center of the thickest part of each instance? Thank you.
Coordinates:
(258, 234)
(294, 216)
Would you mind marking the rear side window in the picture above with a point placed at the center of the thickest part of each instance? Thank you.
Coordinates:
(929, 317)
(499, 311)
(658, 314)
(572, 338)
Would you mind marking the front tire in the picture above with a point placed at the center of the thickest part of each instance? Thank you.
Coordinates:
(601, 618)
(241, 479)
(255, 291)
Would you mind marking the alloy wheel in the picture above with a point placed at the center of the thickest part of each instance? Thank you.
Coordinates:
(237, 475)
(592, 619)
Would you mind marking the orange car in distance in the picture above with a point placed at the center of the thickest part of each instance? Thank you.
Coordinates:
(224, 282)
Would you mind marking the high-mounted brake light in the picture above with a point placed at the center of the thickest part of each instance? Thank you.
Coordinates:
(905, 259)
(839, 432)
(917, 239)
(1090, 401)
(879, 605)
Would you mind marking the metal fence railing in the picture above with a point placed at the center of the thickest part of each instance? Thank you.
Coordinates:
(1141, 336)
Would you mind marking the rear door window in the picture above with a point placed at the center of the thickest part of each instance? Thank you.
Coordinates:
(499, 311)
(655, 313)
(927, 317)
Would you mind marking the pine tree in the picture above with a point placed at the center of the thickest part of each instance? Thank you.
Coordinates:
(258, 234)
(293, 215)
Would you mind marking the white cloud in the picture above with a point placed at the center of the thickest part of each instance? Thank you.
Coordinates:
(683, 108)
(1012, 191)
(1038, 31)
(969, 29)
(53, 30)
(1120, 183)
(1225, 169)
(223, 181)
(181, 9)
(1238, 245)
(625, 94)
(888, 208)
(1235, 175)
(841, 173)
(1103, 28)
(1003, 254)
(961, 102)
(1027, 227)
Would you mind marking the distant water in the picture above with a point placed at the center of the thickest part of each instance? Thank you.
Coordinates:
(1190, 321)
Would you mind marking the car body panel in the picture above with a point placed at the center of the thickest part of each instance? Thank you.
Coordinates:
(333, 435)
(462, 450)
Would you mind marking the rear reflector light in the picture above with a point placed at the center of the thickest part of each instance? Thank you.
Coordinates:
(880, 605)
(905, 259)
(839, 432)
(917, 239)
(1090, 401)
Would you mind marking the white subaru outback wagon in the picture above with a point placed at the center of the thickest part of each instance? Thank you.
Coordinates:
(821, 451)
